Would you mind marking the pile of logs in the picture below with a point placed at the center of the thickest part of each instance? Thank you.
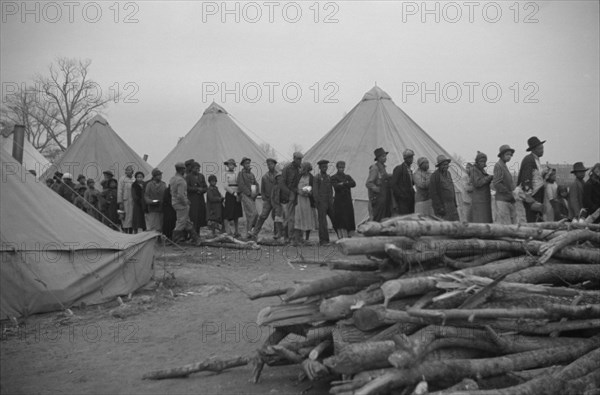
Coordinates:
(443, 307)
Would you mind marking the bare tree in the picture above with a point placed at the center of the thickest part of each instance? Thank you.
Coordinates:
(24, 108)
(269, 151)
(71, 98)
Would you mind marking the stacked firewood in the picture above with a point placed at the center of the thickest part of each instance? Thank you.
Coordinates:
(446, 306)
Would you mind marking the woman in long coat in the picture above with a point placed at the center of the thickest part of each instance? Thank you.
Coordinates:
(481, 198)
(196, 188)
(343, 211)
(139, 203)
(304, 215)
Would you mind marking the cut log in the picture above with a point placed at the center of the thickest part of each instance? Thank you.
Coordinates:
(320, 349)
(314, 370)
(479, 246)
(359, 266)
(548, 249)
(564, 225)
(551, 273)
(340, 280)
(551, 384)
(340, 306)
(208, 365)
(371, 245)
(289, 314)
(587, 384)
(371, 317)
(361, 356)
(454, 229)
(458, 369)
(464, 385)
(268, 293)
(249, 246)
(409, 258)
(479, 260)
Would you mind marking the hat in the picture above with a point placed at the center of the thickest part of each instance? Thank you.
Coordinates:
(58, 174)
(67, 176)
(503, 149)
(480, 155)
(79, 177)
(189, 162)
(156, 172)
(298, 155)
(378, 152)
(578, 166)
(323, 162)
(108, 173)
(441, 159)
(228, 161)
(271, 160)
(340, 163)
(244, 159)
(408, 153)
(422, 160)
(533, 142)
(179, 165)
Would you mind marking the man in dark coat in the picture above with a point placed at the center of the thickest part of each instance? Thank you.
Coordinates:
(576, 190)
(530, 179)
(591, 193)
(343, 211)
(196, 188)
(323, 195)
(267, 184)
(378, 187)
(402, 185)
(288, 183)
(441, 190)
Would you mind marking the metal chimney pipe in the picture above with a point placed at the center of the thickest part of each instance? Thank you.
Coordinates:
(145, 158)
(18, 142)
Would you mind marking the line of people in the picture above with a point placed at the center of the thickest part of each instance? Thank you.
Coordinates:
(534, 197)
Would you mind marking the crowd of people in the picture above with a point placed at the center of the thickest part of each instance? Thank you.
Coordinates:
(534, 197)
(299, 202)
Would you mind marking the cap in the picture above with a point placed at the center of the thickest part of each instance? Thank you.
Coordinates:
(67, 176)
(271, 160)
(298, 155)
(156, 172)
(244, 159)
(408, 153)
(323, 162)
(228, 161)
(180, 165)
(108, 173)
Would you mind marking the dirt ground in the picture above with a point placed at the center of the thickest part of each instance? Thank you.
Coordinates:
(197, 309)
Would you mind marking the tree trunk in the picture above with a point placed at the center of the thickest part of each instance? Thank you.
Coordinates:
(210, 365)
(548, 249)
(458, 369)
(454, 229)
(479, 260)
(361, 356)
(551, 273)
(371, 245)
(359, 266)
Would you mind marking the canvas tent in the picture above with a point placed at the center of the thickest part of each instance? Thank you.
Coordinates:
(54, 255)
(32, 158)
(376, 121)
(98, 148)
(215, 138)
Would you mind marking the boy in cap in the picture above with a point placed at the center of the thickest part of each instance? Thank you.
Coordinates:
(267, 184)
(154, 195)
(502, 181)
(402, 185)
(181, 204)
(248, 190)
(323, 197)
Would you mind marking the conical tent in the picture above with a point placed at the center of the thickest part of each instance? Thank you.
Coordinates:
(54, 255)
(376, 121)
(215, 138)
(98, 148)
(32, 158)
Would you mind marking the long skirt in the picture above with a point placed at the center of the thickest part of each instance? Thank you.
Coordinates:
(138, 220)
(233, 208)
(481, 212)
(304, 215)
(197, 210)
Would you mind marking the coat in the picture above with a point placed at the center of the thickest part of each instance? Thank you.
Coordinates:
(402, 189)
(481, 197)
(443, 198)
(214, 204)
(343, 211)
(575, 198)
(139, 205)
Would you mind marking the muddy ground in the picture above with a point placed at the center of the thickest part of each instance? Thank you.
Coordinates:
(197, 308)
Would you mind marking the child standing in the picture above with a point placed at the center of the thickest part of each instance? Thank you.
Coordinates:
(214, 205)
(561, 204)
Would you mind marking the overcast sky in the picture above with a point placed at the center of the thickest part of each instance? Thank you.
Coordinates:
(538, 62)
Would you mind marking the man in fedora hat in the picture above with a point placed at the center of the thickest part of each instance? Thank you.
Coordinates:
(378, 187)
(506, 211)
(530, 178)
(576, 190)
(267, 184)
(323, 196)
(248, 190)
(441, 190)
(181, 204)
(288, 184)
(403, 185)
